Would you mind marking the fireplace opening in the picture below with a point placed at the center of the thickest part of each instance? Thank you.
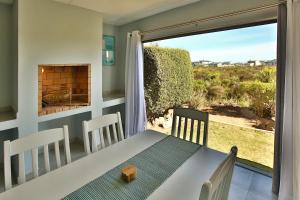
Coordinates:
(63, 87)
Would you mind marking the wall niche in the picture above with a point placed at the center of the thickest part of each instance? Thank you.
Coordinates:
(63, 87)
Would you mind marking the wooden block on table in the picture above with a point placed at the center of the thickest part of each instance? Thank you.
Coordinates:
(129, 173)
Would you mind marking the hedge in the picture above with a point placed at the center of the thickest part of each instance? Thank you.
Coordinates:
(168, 79)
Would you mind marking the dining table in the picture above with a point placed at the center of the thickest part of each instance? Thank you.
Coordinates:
(185, 183)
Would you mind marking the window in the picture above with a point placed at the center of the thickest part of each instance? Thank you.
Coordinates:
(234, 76)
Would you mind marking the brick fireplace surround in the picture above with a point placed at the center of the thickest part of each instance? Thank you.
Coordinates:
(63, 87)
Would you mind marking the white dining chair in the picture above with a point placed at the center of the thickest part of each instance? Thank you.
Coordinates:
(32, 143)
(196, 118)
(95, 126)
(217, 187)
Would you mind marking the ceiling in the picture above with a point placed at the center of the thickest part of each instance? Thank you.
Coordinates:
(119, 12)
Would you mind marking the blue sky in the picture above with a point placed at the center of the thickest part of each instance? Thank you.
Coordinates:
(239, 45)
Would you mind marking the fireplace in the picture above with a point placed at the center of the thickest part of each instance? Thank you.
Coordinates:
(63, 87)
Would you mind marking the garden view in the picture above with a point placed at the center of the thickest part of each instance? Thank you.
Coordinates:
(239, 97)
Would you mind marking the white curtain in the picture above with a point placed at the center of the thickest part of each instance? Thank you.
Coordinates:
(290, 167)
(135, 99)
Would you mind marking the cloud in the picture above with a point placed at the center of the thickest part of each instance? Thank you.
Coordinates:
(263, 51)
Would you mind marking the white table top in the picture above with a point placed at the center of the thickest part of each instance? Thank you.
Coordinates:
(185, 183)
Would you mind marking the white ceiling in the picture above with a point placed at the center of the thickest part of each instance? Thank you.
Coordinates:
(119, 12)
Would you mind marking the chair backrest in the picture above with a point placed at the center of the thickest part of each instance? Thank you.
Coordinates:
(97, 125)
(32, 143)
(196, 119)
(217, 188)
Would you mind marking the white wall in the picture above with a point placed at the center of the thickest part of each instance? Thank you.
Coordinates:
(15, 55)
(199, 10)
(6, 68)
(111, 74)
(112, 79)
(55, 33)
(74, 124)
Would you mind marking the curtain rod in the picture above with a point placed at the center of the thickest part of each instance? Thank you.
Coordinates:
(262, 7)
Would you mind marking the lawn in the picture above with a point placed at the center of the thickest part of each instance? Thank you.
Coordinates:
(256, 148)
(253, 145)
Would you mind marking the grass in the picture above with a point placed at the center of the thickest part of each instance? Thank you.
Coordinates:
(256, 147)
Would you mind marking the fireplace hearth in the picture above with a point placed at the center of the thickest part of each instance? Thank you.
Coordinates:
(63, 87)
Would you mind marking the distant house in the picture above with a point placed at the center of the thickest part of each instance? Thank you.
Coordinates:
(205, 63)
(215, 64)
(227, 64)
(240, 64)
(219, 64)
(223, 64)
(254, 63)
(270, 62)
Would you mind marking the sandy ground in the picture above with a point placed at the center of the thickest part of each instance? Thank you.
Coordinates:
(238, 116)
(237, 121)
(230, 115)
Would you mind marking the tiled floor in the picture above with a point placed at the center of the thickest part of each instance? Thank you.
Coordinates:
(250, 185)
(246, 184)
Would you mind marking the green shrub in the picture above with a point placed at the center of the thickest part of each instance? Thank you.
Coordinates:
(197, 101)
(244, 86)
(168, 79)
(200, 86)
(267, 75)
(215, 92)
(236, 91)
(229, 81)
(211, 77)
(262, 96)
(238, 73)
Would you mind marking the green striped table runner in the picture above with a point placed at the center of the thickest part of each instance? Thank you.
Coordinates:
(154, 165)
